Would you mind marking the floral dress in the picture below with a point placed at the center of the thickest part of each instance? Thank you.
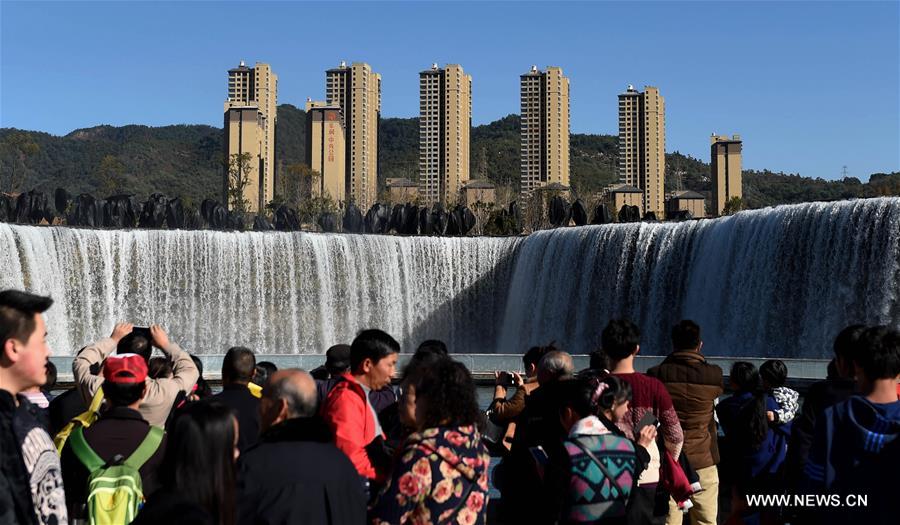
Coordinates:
(440, 478)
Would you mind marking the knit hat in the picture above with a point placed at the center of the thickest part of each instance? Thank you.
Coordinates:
(125, 369)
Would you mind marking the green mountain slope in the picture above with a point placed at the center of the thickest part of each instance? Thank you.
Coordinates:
(186, 160)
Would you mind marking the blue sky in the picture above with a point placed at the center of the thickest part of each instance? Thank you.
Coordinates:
(810, 86)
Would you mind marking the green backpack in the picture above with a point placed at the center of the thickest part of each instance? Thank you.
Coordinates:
(115, 492)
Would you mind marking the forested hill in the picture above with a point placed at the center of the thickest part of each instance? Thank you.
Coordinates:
(186, 160)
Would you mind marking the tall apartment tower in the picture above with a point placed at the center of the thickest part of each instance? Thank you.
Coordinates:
(445, 119)
(545, 128)
(326, 150)
(642, 145)
(357, 91)
(725, 170)
(250, 120)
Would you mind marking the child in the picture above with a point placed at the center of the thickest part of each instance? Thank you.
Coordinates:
(602, 466)
(774, 374)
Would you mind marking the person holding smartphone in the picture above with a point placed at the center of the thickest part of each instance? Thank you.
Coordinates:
(125, 338)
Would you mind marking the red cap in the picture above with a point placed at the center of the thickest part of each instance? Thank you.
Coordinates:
(125, 369)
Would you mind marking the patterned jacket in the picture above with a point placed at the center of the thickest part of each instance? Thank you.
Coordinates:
(441, 477)
(590, 496)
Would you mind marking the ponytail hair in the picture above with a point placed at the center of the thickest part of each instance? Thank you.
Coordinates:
(592, 394)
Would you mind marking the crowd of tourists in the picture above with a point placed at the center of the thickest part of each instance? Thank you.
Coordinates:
(145, 439)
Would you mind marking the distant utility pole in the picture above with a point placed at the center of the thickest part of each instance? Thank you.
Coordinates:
(844, 172)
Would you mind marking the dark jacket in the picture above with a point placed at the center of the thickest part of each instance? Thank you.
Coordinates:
(820, 396)
(171, 508)
(753, 465)
(295, 475)
(519, 478)
(120, 430)
(246, 409)
(694, 386)
(15, 490)
(63, 408)
(855, 451)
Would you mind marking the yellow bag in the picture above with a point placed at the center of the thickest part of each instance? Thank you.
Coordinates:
(255, 389)
(85, 419)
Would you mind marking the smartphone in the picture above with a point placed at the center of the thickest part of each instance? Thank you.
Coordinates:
(506, 379)
(142, 331)
(138, 331)
(647, 419)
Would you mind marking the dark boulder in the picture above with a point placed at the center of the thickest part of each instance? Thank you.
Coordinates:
(681, 215)
(7, 208)
(153, 214)
(378, 219)
(516, 215)
(219, 217)
(328, 222)
(426, 227)
(467, 220)
(123, 211)
(286, 219)
(559, 211)
(236, 221)
(174, 214)
(439, 220)
(261, 224)
(601, 215)
(32, 207)
(629, 214)
(398, 219)
(103, 218)
(460, 221)
(206, 210)
(410, 219)
(192, 219)
(61, 200)
(650, 217)
(353, 219)
(83, 211)
(579, 213)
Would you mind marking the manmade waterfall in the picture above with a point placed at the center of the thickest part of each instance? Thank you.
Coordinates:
(779, 281)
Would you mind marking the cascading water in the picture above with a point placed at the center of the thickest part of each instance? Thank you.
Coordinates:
(273, 292)
(778, 281)
(775, 282)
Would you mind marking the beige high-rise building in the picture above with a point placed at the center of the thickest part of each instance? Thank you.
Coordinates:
(445, 119)
(725, 170)
(326, 150)
(250, 118)
(357, 91)
(545, 129)
(642, 145)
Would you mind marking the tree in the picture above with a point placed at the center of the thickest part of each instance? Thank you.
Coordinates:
(483, 213)
(20, 147)
(298, 182)
(239, 168)
(110, 176)
(733, 205)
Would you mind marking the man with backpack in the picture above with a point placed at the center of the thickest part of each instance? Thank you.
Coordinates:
(117, 456)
